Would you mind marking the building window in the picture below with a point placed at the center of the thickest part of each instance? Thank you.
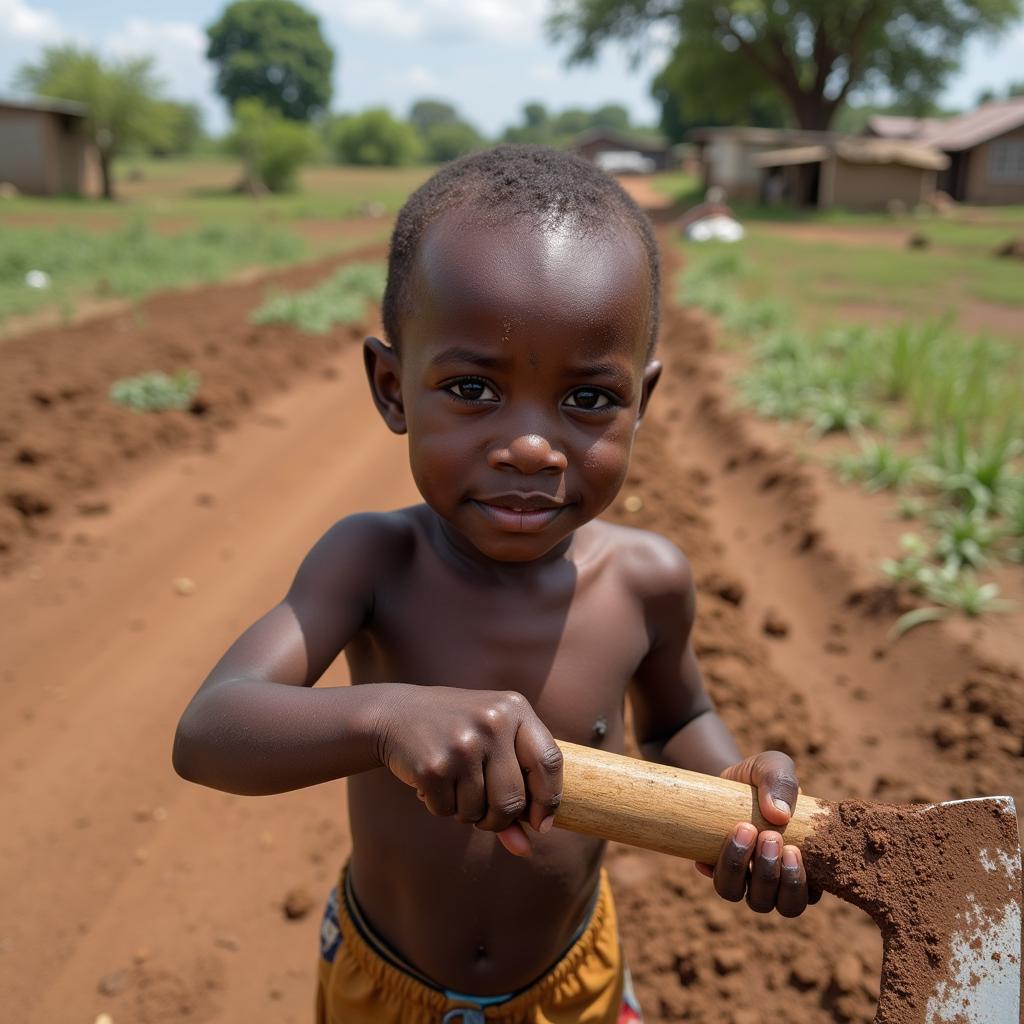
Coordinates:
(1006, 160)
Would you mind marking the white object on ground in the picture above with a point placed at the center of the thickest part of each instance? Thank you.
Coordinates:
(715, 229)
(37, 279)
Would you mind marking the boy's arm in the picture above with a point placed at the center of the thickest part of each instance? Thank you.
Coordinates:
(244, 731)
(256, 725)
(675, 723)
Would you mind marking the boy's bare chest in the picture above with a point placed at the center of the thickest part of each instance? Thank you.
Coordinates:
(570, 647)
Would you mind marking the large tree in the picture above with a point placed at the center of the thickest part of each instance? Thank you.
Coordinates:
(812, 52)
(273, 51)
(122, 97)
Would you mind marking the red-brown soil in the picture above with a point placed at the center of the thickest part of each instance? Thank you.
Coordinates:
(128, 892)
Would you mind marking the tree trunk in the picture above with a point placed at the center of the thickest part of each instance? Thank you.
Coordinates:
(106, 175)
(813, 112)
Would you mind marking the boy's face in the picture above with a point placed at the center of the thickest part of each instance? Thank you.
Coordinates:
(522, 377)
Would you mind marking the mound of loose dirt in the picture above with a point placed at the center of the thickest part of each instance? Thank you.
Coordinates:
(61, 436)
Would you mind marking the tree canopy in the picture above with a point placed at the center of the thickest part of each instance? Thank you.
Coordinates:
(122, 97)
(686, 102)
(543, 127)
(812, 53)
(273, 51)
(444, 134)
(183, 129)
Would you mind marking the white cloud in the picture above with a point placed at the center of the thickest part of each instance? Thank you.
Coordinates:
(29, 24)
(544, 72)
(178, 49)
(420, 77)
(442, 20)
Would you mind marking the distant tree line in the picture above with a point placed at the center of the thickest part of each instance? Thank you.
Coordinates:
(753, 62)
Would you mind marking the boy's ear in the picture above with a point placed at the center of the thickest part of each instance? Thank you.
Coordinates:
(652, 374)
(384, 372)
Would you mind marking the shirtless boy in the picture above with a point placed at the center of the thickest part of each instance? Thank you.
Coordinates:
(521, 312)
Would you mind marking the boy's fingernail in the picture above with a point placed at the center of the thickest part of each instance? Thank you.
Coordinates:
(547, 824)
(770, 849)
(745, 834)
(789, 859)
(782, 805)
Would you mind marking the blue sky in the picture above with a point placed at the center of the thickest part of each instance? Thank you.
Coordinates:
(488, 57)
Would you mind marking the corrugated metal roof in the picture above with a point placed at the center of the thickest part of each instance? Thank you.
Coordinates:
(44, 104)
(760, 136)
(858, 151)
(953, 134)
(788, 157)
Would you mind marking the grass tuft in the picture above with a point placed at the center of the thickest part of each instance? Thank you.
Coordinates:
(156, 391)
(342, 298)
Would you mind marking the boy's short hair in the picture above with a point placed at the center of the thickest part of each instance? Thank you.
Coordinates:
(507, 182)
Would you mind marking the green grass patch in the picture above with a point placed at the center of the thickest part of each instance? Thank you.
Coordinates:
(129, 262)
(952, 408)
(679, 187)
(156, 391)
(342, 298)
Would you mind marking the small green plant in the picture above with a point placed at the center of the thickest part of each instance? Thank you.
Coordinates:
(908, 507)
(836, 411)
(965, 537)
(906, 571)
(879, 466)
(340, 299)
(973, 474)
(156, 391)
(952, 590)
(1013, 513)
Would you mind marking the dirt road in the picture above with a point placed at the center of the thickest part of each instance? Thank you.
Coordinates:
(128, 892)
(113, 869)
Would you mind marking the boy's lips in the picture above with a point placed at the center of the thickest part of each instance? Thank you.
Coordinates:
(520, 513)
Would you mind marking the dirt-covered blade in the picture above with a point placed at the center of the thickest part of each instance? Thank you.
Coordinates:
(982, 954)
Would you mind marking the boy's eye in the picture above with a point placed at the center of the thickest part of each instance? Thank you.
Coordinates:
(588, 398)
(471, 390)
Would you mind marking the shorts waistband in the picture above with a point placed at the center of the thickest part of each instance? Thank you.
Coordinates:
(394, 973)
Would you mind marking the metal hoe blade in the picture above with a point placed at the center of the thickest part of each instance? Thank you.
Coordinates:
(983, 985)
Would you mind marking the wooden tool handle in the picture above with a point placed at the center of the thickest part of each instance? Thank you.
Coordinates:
(661, 808)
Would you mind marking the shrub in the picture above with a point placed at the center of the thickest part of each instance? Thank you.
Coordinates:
(155, 391)
(374, 138)
(272, 147)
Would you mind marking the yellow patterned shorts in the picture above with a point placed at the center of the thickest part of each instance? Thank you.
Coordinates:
(358, 985)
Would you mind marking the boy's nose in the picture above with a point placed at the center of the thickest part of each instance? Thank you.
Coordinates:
(528, 454)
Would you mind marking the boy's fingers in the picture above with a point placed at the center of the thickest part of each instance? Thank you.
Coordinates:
(774, 775)
(515, 840)
(707, 870)
(731, 870)
(439, 797)
(470, 797)
(541, 761)
(506, 792)
(792, 901)
(765, 873)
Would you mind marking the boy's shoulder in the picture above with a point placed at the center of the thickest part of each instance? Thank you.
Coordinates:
(652, 565)
(362, 545)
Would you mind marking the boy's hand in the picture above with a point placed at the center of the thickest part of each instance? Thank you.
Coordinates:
(481, 756)
(771, 875)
